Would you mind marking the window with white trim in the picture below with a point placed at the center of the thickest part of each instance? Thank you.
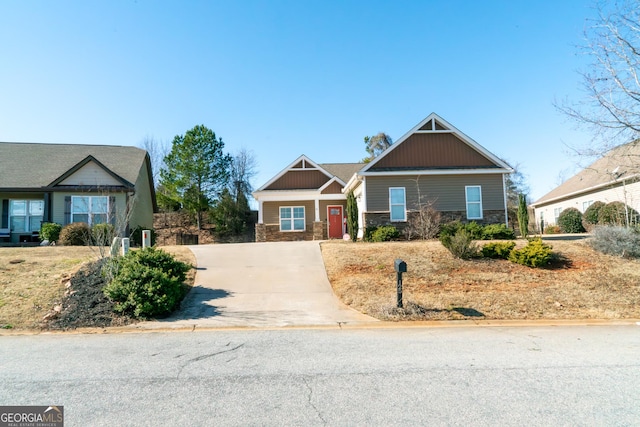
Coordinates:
(292, 218)
(585, 205)
(90, 209)
(25, 215)
(556, 214)
(473, 195)
(397, 204)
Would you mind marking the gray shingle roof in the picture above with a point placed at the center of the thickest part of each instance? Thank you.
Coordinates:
(31, 165)
(344, 171)
(620, 163)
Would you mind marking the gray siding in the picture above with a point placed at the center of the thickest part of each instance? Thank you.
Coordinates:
(57, 202)
(446, 191)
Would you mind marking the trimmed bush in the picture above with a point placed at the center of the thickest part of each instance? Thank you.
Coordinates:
(535, 254)
(620, 241)
(75, 234)
(591, 214)
(498, 249)
(50, 231)
(497, 232)
(570, 221)
(474, 229)
(136, 236)
(460, 244)
(102, 234)
(147, 283)
(384, 233)
(612, 213)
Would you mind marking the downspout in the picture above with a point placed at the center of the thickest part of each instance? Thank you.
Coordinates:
(504, 194)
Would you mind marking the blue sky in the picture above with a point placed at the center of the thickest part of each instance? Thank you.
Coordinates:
(285, 78)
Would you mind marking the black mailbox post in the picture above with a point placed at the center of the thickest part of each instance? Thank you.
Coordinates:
(401, 267)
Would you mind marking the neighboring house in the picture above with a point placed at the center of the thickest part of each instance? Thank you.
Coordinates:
(613, 177)
(65, 183)
(433, 163)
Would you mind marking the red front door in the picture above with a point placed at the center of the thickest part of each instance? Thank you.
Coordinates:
(335, 222)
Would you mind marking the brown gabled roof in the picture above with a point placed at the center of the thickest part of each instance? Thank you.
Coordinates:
(618, 164)
(344, 171)
(31, 165)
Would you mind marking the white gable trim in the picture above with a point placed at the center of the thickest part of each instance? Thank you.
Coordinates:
(331, 181)
(314, 166)
(452, 129)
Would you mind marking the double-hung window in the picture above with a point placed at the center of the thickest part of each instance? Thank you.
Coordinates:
(90, 209)
(292, 218)
(473, 194)
(556, 214)
(25, 215)
(397, 204)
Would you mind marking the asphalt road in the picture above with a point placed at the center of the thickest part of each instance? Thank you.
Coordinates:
(358, 377)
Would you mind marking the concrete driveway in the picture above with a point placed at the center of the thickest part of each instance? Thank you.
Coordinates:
(261, 285)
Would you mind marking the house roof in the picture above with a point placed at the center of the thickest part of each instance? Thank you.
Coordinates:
(434, 124)
(622, 162)
(33, 165)
(344, 171)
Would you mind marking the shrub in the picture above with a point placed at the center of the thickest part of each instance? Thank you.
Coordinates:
(50, 231)
(102, 234)
(425, 223)
(612, 213)
(460, 244)
(147, 283)
(535, 254)
(75, 234)
(620, 241)
(497, 232)
(450, 228)
(551, 229)
(570, 221)
(385, 233)
(136, 236)
(498, 249)
(590, 216)
(474, 229)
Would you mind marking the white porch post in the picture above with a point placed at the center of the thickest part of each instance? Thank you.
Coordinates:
(260, 210)
(317, 203)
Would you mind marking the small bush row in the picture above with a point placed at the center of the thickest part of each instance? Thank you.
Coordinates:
(571, 220)
(146, 283)
(534, 254)
(477, 231)
(81, 234)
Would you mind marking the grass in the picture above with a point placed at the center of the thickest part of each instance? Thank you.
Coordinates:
(584, 284)
(32, 280)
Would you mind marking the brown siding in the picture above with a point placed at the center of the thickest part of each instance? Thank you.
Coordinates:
(446, 191)
(433, 150)
(271, 212)
(334, 188)
(299, 180)
(439, 126)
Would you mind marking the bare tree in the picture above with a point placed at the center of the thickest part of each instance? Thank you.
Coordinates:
(611, 108)
(243, 169)
(157, 150)
(424, 223)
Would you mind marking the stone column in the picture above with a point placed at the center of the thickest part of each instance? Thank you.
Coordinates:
(261, 233)
(318, 230)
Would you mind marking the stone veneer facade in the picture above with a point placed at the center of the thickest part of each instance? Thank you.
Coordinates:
(272, 233)
(382, 218)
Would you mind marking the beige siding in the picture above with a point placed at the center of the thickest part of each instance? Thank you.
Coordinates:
(325, 203)
(271, 212)
(142, 204)
(57, 203)
(630, 192)
(446, 191)
(334, 188)
(90, 175)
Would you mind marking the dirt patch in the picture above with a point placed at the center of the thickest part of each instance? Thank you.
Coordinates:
(84, 303)
(581, 284)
